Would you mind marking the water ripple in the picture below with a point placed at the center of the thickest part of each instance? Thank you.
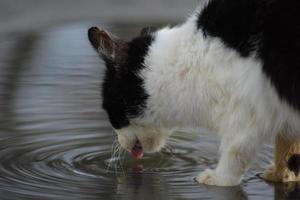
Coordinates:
(56, 142)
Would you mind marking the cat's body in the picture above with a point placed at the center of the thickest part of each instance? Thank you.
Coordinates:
(232, 68)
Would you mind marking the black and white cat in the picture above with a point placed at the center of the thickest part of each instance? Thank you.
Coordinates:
(233, 67)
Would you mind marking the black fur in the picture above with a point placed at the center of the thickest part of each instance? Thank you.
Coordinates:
(268, 28)
(294, 164)
(236, 22)
(123, 92)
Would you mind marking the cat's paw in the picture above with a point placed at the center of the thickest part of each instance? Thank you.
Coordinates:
(270, 174)
(209, 177)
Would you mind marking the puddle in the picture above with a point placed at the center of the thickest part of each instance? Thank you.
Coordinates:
(56, 141)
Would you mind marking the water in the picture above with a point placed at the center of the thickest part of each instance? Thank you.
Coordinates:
(56, 141)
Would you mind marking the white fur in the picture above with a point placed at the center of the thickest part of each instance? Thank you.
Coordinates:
(197, 82)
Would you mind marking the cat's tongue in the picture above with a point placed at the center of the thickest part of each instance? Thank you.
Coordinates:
(137, 151)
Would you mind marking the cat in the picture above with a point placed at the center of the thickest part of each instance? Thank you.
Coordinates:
(233, 67)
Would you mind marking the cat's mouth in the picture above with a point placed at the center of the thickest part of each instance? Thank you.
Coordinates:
(137, 150)
(148, 140)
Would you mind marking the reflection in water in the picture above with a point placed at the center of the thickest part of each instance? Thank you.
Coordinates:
(289, 191)
(11, 72)
(146, 186)
(56, 141)
(221, 193)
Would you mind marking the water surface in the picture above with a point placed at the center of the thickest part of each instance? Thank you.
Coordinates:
(56, 141)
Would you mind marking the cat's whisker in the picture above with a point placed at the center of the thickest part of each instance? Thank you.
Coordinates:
(121, 159)
(169, 149)
(123, 156)
(113, 150)
(161, 158)
(117, 157)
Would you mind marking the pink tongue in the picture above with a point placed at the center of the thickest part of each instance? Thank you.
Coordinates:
(137, 151)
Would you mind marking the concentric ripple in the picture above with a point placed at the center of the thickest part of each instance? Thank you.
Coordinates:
(39, 164)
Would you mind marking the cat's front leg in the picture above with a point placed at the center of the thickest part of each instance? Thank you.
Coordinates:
(235, 159)
(227, 173)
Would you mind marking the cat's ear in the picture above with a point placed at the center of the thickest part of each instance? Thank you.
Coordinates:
(109, 46)
(148, 30)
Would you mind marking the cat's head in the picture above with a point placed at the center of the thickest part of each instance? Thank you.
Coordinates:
(123, 92)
